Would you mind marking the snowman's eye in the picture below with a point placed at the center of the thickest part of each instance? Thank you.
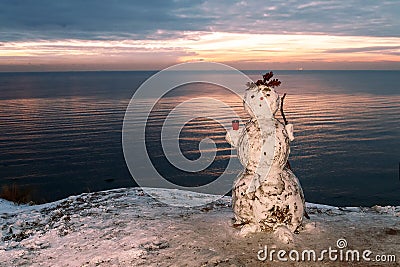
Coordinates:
(268, 94)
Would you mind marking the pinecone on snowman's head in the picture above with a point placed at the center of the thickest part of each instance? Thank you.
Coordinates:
(267, 82)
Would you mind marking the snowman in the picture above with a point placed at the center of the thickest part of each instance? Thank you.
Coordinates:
(266, 196)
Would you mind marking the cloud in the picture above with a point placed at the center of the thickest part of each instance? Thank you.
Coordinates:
(159, 19)
(124, 34)
(97, 20)
(383, 49)
(352, 17)
(215, 46)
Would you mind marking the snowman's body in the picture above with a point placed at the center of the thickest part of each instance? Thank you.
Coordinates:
(267, 196)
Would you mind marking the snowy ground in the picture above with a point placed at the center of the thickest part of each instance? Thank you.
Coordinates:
(126, 227)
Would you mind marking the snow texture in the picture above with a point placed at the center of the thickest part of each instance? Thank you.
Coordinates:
(126, 227)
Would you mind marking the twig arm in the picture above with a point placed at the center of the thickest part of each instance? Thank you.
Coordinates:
(282, 112)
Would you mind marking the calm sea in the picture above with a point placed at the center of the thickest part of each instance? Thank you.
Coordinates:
(60, 133)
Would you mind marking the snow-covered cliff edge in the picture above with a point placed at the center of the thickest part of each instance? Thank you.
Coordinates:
(126, 227)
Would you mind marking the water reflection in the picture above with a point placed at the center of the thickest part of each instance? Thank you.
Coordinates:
(62, 132)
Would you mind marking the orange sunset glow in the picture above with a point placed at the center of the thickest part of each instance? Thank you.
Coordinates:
(247, 40)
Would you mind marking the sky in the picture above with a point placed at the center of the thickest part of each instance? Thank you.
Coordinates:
(48, 35)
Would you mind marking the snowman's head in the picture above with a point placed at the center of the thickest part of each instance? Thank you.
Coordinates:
(261, 100)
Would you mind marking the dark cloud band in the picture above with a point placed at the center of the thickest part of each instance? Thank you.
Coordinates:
(159, 19)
